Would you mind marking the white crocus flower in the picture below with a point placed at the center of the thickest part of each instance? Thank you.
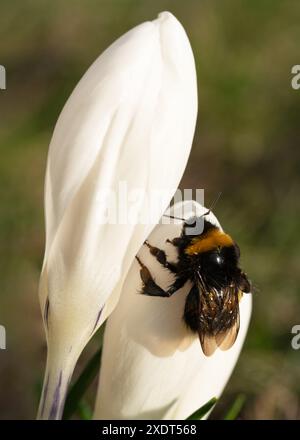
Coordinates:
(152, 366)
(130, 119)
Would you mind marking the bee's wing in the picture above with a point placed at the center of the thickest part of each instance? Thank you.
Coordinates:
(225, 340)
(208, 343)
(227, 321)
(196, 307)
(207, 340)
(231, 316)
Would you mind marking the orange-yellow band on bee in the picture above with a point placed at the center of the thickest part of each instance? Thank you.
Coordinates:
(209, 241)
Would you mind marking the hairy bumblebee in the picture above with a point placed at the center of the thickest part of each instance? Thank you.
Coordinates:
(210, 261)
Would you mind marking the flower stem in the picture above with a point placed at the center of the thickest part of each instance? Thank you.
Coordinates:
(59, 370)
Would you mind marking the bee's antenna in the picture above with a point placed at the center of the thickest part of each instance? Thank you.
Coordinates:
(206, 213)
(213, 204)
(172, 216)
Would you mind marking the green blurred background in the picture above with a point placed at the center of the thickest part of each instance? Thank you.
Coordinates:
(246, 145)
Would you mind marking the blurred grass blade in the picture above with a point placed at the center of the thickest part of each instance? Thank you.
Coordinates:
(236, 407)
(201, 412)
(84, 411)
(80, 386)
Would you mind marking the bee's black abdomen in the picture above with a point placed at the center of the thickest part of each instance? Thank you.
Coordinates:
(191, 310)
(214, 315)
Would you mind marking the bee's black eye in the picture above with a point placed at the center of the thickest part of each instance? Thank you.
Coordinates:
(216, 259)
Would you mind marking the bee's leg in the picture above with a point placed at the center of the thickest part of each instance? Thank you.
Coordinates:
(178, 283)
(151, 288)
(161, 257)
(149, 285)
(175, 242)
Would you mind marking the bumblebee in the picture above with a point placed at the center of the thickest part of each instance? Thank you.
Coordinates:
(210, 261)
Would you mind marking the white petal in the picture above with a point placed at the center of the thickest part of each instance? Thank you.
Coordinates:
(130, 119)
(152, 366)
